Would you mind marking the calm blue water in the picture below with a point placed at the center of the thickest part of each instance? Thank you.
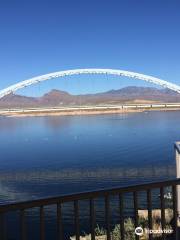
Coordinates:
(46, 156)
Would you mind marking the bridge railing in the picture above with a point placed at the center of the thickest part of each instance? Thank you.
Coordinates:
(90, 197)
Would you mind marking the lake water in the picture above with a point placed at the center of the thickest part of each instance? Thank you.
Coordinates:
(47, 156)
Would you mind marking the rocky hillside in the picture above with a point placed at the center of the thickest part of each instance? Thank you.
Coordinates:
(62, 98)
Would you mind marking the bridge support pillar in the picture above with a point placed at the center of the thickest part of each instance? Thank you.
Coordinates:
(177, 156)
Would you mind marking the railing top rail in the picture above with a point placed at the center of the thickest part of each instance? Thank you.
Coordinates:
(85, 195)
(177, 146)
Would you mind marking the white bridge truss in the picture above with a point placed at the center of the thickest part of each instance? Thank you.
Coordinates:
(35, 80)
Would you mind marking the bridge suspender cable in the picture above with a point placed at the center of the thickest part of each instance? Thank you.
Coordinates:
(36, 80)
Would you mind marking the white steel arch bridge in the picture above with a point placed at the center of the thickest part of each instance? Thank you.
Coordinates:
(35, 80)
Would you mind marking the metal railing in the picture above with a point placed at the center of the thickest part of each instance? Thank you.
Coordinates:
(177, 157)
(106, 194)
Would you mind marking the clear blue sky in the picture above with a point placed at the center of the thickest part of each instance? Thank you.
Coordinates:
(38, 37)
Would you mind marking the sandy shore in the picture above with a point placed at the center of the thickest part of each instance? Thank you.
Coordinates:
(64, 112)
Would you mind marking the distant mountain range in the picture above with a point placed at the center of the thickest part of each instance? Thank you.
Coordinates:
(56, 98)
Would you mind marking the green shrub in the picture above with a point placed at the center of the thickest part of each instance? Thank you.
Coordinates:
(99, 231)
(128, 228)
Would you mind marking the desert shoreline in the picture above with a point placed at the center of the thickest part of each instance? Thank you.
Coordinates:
(78, 112)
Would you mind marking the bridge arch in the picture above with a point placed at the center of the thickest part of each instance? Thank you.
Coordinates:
(35, 80)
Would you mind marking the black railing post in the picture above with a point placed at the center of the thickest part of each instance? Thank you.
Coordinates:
(92, 219)
(163, 220)
(107, 217)
(42, 224)
(175, 215)
(2, 227)
(121, 208)
(135, 197)
(76, 219)
(23, 225)
(60, 235)
(149, 206)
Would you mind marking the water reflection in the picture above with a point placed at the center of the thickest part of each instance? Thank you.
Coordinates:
(8, 124)
(56, 123)
(19, 185)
